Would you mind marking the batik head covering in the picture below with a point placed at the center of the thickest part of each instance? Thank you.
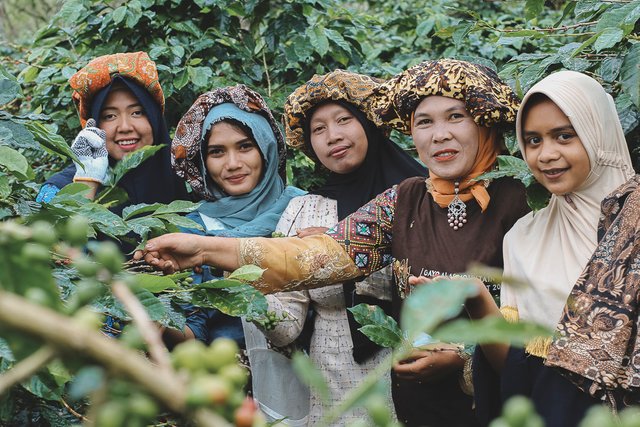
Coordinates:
(488, 99)
(257, 212)
(99, 72)
(550, 248)
(338, 85)
(186, 156)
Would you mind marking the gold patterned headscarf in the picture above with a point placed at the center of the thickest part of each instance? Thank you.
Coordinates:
(338, 85)
(488, 99)
(99, 72)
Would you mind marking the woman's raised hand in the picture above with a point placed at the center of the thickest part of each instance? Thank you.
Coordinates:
(90, 148)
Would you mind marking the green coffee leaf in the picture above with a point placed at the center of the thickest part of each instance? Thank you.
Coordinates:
(236, 301)
(15, 163)
(377, 326)
(490, 330)
(444, 298)
(132, 161)
(248, 273)
(608, 38)
(9, 90)
(630, 74)
(153, 282)
(511, 166)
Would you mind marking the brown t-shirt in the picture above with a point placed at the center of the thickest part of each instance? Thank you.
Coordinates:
(423, 238)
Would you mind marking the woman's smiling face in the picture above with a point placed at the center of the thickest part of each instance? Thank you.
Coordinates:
(337, 138)
(125, 123)
(553, 150)
(446, 137)
(233, 159)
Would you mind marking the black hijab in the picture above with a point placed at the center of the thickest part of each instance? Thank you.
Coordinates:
(384, 166)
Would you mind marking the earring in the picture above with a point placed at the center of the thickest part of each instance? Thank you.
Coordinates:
(456, 210)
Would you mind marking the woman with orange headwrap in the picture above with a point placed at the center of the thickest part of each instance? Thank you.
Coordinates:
(121, 105)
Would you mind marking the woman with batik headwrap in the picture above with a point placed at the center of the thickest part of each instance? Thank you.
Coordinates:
(330, 119)
(454, 110)
(228, 147)
(572, 140)
(121, 105)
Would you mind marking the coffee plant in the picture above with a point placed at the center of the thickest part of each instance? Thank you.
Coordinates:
(57, 282)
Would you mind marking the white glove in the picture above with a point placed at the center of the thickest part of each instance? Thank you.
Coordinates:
(91, 148)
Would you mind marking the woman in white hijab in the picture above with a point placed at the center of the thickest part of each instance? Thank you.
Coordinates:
(570, 136)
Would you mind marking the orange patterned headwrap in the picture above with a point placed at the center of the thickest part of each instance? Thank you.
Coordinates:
(98, 73)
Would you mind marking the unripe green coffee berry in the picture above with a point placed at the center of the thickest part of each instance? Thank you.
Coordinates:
(88, 289)
(221, 352)
(36, 252)
(143, 406)
(38, 296)
(85, 266)
(44, 233)
(76, 230)
(88, 318)
(132, 338)
(108, 255)
(112, 414)
(208, 390)
(517, 410)
(235, 374)
(190, 355)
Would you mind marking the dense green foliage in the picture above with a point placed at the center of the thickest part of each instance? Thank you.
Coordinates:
(272, 46)
(276, 45)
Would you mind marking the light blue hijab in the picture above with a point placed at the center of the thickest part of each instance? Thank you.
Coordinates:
(256, 213)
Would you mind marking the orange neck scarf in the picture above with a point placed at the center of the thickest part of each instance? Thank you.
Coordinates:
(443, 190)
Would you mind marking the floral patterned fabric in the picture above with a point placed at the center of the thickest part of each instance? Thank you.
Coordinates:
(185, 148)
(99, 72)
(334, 86)
(366, 234)
(356, 247)
(293, 263)
(489, 100)
(597, 345)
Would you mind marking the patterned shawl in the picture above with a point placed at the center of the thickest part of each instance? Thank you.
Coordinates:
(597, 345)
(99, 73)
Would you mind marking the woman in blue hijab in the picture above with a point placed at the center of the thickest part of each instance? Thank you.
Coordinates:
(229, 148)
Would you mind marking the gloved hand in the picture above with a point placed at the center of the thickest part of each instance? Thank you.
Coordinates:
(91, 148)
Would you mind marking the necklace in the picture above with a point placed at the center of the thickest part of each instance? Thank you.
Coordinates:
(457, 210)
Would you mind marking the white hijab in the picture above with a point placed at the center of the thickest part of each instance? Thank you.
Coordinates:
(549, 249)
